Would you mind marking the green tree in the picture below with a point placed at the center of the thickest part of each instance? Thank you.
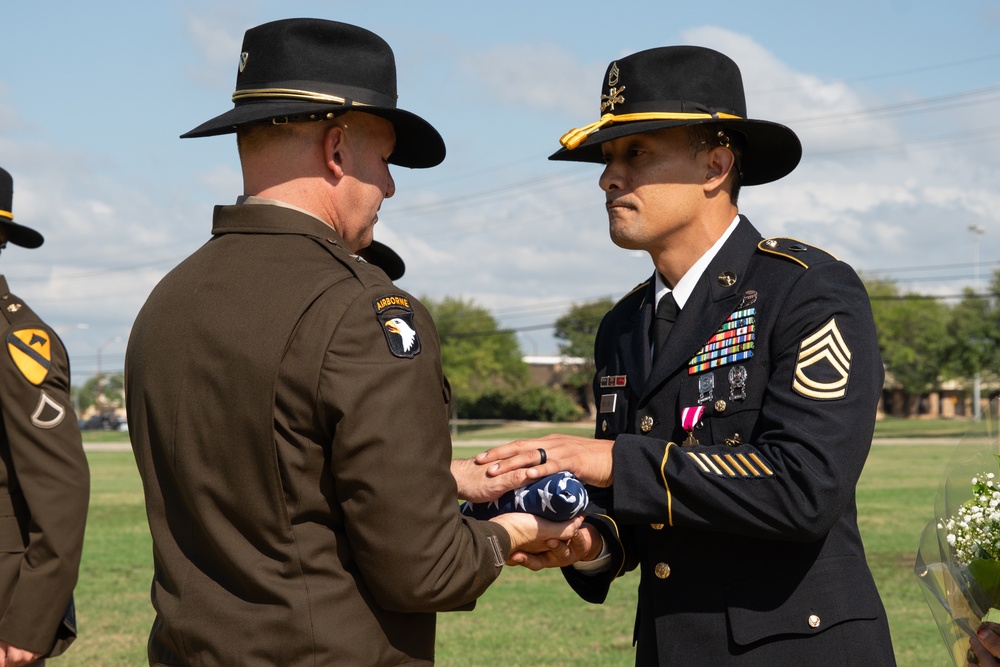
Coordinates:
(912, 336)
(112, 392)
(483, 364)
(576, 331)
(973, 336)
(475, 354)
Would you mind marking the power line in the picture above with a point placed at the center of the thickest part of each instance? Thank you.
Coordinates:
(923, 105)
(893, 74)
(886, 297)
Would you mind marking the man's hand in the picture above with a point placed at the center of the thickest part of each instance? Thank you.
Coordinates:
(12, 656)
(985, 646)
(590, 460)
(476, 486)
(529, 533)
(585, 545)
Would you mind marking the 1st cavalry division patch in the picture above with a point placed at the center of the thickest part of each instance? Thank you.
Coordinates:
(823, 365)
(396, 317)
(31, 351)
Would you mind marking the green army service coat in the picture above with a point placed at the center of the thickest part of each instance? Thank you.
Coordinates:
(290, 424)
(44, 485)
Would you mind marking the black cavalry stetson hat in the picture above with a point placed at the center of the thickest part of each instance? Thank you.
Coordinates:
(384, 258)
(304, 69)
(26, 237)
(674, 86)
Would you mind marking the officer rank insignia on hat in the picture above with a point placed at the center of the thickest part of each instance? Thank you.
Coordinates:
(731, 343)
(31, 352)
(823, 364)
(396, 317)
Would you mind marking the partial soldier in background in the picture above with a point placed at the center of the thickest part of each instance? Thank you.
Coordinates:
(44, 477)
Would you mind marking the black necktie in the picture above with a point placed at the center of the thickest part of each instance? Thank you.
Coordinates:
(663, 321)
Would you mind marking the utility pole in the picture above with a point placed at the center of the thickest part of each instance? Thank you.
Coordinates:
(977, 231)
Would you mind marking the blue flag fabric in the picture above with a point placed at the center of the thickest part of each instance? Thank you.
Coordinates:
(558, 497)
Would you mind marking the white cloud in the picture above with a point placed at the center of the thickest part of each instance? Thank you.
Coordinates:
(821, 112)
(217, 40)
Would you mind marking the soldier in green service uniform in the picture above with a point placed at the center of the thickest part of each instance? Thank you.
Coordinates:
(286, 402)
(44, 478)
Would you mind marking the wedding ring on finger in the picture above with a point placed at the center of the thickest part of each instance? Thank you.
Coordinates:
(544, 456)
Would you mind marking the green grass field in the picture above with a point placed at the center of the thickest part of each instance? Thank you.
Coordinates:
(522, 619)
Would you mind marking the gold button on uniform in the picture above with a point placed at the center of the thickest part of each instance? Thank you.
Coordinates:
(646, 424)
(662, 570)
(813, 621)
(656, 526)
(720, 405)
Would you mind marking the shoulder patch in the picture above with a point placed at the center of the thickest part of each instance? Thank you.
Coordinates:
(48, 413)
(823, 365)
(395, 315)
(31, 351)
(801, 253)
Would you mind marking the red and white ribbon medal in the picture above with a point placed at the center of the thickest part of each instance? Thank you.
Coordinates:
(689, 420)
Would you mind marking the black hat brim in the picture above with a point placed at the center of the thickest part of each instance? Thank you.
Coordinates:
(418, 144)
(384, 258)
(26, 237)
(772, 150)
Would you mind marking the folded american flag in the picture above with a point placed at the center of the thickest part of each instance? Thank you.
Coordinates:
(558, 497)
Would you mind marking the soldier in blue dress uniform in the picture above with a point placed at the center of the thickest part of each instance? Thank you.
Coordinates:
(737, 390)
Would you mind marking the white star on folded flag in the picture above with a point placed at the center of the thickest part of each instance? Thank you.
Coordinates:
(546, 497)
(519, 495)
(568, 500)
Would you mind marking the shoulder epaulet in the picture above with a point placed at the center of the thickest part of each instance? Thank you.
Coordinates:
(363, 272)
(640, 286)
(801, 253)
(14, 309)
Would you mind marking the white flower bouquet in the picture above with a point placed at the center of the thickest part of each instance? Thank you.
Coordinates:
(958, 561)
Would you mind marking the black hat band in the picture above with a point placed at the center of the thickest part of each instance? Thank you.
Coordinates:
(574, 138)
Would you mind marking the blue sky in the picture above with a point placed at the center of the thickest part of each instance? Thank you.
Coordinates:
(897, 103)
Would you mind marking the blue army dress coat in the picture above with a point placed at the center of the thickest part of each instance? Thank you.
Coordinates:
(44, 484)
(289, 420)
(747, 541)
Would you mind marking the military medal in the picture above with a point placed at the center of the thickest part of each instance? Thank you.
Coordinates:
(737, 383)
(690, 417)
(706, 385)
(749, 299)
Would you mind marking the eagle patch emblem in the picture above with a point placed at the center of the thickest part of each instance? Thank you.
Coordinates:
(31, 352)
(396, 317)
(823, 365)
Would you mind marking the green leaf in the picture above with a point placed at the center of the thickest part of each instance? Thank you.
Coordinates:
(987, 573)
(992, 616)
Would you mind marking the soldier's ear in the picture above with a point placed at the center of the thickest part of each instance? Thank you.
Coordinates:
(719, 161)
(334, 149)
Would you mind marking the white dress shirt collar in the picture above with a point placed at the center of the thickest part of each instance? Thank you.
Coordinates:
(682, 290)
